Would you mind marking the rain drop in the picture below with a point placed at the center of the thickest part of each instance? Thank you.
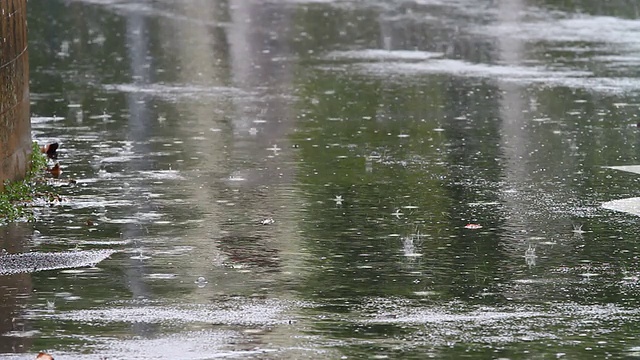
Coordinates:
(201, 282)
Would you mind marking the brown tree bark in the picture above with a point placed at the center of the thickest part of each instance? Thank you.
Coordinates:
(15, 126)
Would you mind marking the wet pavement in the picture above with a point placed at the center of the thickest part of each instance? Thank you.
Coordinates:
(331, 179)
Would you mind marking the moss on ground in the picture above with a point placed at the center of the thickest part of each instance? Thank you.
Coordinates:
(18, 197)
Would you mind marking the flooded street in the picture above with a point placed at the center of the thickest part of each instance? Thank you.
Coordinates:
(331, 180)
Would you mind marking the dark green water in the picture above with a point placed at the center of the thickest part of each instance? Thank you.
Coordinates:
(295, 180)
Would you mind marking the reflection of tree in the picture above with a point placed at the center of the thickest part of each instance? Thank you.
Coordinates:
(352, 240)
(249, 251)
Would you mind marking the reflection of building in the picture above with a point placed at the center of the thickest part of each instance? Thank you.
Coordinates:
(524, 158)
(514, 140)
(15, 129)
(230, 134)
(14, 291)
(240, 181)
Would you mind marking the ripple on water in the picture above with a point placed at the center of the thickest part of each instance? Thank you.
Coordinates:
(192, 345)
(120, 159)
(247, 312)
(79, 202)
(161, 276)
(383, 55)
(45, 119)
(176, 91)
(162, 175)
(457, 321)
(581, 28)
(525, 75)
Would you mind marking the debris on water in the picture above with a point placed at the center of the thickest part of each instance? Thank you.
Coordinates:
(398, 214)
(338, 199)
(473, 226)
(267, 221)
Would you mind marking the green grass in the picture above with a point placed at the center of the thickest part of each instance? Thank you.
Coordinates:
(18, 196)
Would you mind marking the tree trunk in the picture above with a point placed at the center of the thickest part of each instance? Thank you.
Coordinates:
(15, 126)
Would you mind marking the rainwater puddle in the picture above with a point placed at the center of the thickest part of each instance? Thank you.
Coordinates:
(329, 179)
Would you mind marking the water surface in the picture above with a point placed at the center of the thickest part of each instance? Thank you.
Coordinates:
(331, 179)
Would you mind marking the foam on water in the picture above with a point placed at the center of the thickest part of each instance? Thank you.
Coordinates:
(523, 75)
(382, 55)
(464, 68)
(581, 28)
(135, 7)
(629, 205)
(193, 345)
(38, 261)
(492, 324)
(629, 168)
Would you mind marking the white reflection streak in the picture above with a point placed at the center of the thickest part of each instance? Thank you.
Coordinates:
(198, 53)
(137, 48)
(514, 141)
(530, 255)
(409, 246)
